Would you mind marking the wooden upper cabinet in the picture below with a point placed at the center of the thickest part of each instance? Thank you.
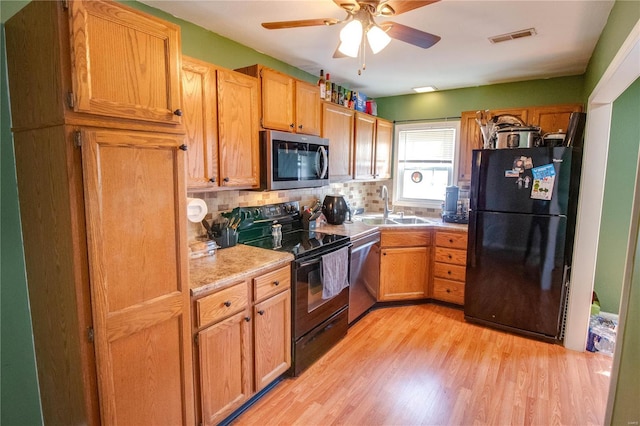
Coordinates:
(287, 104)
(200, 118)
(277, 100)
(138, 274)
(554, 118)
(470, 139)
(124, 63)
(307, 108)
(337, 126)
(238, 130)
(384, 146)
(365, 133)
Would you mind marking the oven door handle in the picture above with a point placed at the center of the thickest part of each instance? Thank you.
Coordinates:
(309, 263)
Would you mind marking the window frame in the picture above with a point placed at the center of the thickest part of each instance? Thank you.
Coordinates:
(421, 125)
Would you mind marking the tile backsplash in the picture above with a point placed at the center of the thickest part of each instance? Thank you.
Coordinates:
(357, 194)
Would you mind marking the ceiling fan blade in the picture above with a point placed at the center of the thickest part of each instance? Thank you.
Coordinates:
(409, 35)
(402, 6)
(300, 23)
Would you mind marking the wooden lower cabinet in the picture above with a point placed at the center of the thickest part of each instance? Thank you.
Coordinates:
(243, 334)
(404, 264)
(225, 350)
(449, 271)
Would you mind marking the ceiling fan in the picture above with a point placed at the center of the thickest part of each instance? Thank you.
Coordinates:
(360, 22)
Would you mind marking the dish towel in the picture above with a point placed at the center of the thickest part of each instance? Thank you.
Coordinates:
(335, 272)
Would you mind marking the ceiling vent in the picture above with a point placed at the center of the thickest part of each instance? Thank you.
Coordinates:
(513, 36)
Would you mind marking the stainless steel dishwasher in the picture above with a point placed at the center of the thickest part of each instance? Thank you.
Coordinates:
(365, 274)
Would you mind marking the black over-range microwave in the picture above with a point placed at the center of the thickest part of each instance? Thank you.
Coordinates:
(291, 160)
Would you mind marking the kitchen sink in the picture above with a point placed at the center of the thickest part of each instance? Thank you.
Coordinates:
(393, 220)
(378, 221)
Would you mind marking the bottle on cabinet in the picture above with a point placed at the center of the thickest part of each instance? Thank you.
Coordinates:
(327, 95)
(322, 84)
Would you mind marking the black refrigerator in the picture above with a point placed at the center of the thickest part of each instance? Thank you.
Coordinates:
(523, 205)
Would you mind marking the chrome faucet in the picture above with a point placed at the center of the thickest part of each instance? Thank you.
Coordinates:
(384, 193)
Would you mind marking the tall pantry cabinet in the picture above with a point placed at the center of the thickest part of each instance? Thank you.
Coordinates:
(95, 103)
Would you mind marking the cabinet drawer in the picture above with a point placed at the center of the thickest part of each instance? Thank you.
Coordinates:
(405, 238)
(271, 283)
(448, 291)
(447, 255)
(450, 272)
(222, 304)
(451, 239)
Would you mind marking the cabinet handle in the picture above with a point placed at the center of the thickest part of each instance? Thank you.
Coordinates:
(183, 147)
(226, 179)
(276, 283)
(227, 303)
(292, 125)
(178, 112)
(300, 127)
(212, 180)
(247, 319)
(261, 312)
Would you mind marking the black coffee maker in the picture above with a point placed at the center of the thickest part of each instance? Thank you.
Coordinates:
(454, 210)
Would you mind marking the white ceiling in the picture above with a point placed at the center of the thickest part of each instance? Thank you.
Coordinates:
(567, 32)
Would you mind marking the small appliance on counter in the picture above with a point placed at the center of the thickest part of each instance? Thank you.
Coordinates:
(335, 209)
(455, 210)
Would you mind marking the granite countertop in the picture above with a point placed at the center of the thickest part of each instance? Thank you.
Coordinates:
(357, 228)
(230, 265)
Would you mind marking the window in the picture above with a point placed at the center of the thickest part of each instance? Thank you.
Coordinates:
(425, 162)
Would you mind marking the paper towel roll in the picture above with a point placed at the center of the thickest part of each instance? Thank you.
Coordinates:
(196, 209)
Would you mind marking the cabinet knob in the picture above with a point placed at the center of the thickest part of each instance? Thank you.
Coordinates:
(226, 179)
(261, 312)
(448, 291)
(449, 272)
(178, 112)
(247, 319)
(292, 125)
(183, 147)
(300, 127)
(227, 303)
(212, 180)
(276, 283)
(450, 257)
(451, 240)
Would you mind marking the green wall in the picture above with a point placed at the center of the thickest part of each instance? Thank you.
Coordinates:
(622, 162)
(450, 103)
(18, 382)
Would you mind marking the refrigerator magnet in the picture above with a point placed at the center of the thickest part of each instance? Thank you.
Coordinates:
(512, 173)
(528, 163)
(543, 179)
(518, 164)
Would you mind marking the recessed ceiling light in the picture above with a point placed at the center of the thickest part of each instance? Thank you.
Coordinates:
(425, 89)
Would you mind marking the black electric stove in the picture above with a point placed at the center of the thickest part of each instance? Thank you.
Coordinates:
(257, 224)
(316, 323)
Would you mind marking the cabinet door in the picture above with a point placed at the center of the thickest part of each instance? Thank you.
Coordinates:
(337, 126)
(238, 130)
(125, 64)
(365, 132)
(225, 367)
(384, 143)
(138, 274)
(200, 117)
(553, 118)
(307, 108)
(272, 338)
(404, 273)
(277, 100)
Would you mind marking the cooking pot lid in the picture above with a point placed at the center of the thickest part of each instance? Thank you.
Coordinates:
(518, 129)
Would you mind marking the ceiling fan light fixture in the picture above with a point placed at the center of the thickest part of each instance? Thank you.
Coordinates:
(377, 39)
(350, 38)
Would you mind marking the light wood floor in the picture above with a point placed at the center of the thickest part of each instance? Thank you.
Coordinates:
(424, 365)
